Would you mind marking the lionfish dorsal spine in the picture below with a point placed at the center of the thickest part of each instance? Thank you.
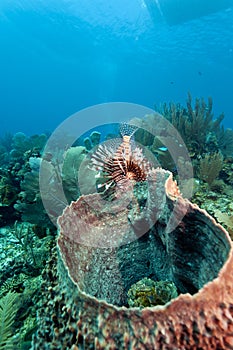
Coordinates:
(127, 131)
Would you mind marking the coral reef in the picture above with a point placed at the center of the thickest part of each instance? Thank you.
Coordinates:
(21, 144)
(8, 188)
(5, 148)
(89, 140)
(8, 310)
(226, 220)
(200, 132)
(23, 256)
(147, 292)
(29, 202)
(62, 180)
(103, 296)
(209, 144)
(73, 158)
(9, 191)
(196, 128)
(88, 307)
(15, 154)
(93, 140)
(210, 167)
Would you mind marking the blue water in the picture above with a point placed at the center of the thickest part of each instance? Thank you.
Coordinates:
(60, 56)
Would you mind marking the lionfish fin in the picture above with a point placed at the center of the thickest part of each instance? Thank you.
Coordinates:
(127, 129)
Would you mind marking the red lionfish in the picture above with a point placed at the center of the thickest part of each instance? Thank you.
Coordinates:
(120, 165)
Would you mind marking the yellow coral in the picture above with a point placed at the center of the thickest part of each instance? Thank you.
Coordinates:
(226, 220)
(210, 167)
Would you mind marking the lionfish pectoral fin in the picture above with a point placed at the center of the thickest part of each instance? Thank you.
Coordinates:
(108, 185)
(100, 185)
(104, 187)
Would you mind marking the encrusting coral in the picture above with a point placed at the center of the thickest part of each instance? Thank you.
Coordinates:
(182, 243)
(147, 292)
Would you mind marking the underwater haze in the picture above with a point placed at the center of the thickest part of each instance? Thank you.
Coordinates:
(60, 56)
(116, 221)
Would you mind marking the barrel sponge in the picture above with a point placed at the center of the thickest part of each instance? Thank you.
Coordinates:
(86, 308)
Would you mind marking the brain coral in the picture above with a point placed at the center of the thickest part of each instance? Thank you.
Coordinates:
(87, 308)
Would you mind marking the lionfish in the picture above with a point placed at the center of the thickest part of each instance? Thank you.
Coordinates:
(118, 164)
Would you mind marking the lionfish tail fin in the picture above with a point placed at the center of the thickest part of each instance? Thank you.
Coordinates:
(127, 129)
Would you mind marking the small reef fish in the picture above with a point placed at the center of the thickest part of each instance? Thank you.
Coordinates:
(163, 149)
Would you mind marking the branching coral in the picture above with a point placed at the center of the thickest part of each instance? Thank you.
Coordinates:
(200, 132)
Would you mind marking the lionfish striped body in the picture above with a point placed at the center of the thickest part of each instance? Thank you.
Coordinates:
(122, 163)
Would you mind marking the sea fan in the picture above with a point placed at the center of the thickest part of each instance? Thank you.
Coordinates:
(8, 310)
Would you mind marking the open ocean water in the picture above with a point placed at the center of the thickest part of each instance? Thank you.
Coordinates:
(60, 56)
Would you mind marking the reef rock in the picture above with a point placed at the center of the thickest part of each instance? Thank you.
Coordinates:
(103, 252)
